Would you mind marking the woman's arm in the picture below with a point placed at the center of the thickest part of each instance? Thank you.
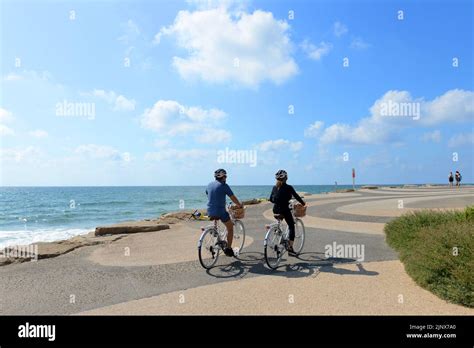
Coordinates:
(297, 196)
(272, 195)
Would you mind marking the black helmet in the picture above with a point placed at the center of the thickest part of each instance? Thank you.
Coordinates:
(220, 173)
(281, 175)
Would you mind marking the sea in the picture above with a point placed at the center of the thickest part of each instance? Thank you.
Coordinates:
(41, 214)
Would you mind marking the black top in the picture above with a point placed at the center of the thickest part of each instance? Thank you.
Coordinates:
(281, 198)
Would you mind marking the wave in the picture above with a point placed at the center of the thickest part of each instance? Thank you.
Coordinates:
(24, 237)
(106, 203)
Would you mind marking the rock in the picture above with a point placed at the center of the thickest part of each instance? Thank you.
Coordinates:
(52, 249)
(368, 187)
(176, 217)
(252, 201)
(344, 190)
(125, 229)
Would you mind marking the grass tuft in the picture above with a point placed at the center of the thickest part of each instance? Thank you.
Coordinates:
(437, 249)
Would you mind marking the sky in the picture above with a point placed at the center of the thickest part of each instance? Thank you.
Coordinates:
(165, 92)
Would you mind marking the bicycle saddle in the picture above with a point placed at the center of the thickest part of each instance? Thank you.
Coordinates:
(212, 218)
(278, 216)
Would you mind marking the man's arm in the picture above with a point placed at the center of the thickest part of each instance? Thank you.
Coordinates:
(232, 196)
(236, 201)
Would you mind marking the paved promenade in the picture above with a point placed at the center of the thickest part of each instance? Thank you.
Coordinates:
(158, 272)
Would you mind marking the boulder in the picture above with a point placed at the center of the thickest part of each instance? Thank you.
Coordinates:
(131, 228)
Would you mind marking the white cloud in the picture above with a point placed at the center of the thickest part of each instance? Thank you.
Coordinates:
(177, 155)
(315, 52)
(453, 106)
(5, 117)
(211, 135)
(30, 75)
(359, 43)
(314, 129)
(38, 133)
(13, 77)
(461, 139)
(102, 152)
(6, 131)
(124, 104)
(339, 29)
(434, 136)
(208, 4)
(119, 102)
(29, 153)
(456, 105)
(161, 142)
(216, 38)
(279, 144)
(131, 32)
(168, 117)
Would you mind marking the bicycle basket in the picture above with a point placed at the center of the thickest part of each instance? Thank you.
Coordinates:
(300, 210)
(238, 213)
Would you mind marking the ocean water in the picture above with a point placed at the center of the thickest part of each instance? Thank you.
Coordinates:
(34, 214)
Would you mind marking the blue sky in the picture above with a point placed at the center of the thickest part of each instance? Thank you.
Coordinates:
(173, 83)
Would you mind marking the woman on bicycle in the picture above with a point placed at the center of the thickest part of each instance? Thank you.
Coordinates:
(281, 195)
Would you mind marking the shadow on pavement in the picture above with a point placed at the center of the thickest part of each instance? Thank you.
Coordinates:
(311, 264)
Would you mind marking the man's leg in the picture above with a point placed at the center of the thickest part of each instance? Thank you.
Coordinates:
(230, 232)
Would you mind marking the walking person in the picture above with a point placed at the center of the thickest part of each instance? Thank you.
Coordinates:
(451, 179)
(458, 178)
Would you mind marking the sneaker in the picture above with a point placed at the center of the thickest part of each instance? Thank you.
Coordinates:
(229, 252)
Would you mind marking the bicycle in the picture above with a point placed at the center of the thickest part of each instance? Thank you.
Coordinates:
(276, 240)
(214, 239)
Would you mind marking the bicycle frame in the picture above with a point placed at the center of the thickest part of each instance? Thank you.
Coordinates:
(221, 235)
(277, 225)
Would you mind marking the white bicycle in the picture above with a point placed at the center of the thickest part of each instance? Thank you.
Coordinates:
(213, 240)
(276, 240)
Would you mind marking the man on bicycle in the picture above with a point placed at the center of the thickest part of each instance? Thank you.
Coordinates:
(280, 197)
(216, 192)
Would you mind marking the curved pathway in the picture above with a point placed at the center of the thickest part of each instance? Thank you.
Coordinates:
(158, 272)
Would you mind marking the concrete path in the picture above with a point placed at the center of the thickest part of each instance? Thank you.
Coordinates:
(158, 272)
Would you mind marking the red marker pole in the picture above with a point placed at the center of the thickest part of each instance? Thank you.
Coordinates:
(353, 178)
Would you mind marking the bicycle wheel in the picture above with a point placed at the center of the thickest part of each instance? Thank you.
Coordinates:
(299, 236)
(239, 235)
(207, 248)
(273, 249)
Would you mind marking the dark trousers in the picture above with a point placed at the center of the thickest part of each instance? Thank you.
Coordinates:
(289, 220)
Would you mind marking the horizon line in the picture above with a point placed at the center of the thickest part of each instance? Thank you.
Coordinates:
(233, 185)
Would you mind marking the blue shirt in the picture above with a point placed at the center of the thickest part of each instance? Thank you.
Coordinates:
(216, 192)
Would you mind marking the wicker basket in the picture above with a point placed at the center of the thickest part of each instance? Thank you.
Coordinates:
(238, 213)
(300, 210)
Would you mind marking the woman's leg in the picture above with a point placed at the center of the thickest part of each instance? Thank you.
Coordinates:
(291, 224)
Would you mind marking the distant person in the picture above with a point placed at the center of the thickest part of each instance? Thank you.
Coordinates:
(216, 192)
(280, 197)
(451, 179)
(458, 178)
